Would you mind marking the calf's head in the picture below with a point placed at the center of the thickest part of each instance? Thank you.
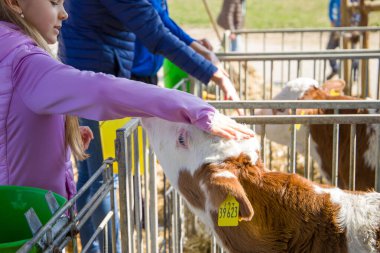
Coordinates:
(298, 89)
(199, 165)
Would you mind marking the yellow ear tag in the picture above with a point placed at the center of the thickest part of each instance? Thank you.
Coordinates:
(298, 126)
(334, 93)
(228, 213)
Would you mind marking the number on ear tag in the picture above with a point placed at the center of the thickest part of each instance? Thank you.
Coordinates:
(228, 213)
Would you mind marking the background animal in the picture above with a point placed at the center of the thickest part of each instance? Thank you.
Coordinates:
(322, 135)
(279, 212)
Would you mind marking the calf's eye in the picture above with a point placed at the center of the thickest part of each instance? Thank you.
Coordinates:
(181, 140)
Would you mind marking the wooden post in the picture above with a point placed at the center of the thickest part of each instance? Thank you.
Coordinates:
(365, 7)
(364, 71)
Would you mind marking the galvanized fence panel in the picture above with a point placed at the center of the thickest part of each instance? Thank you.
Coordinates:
(262, 75)
(301, 39)
(176, 234)
(151, 213)
(161, 228)
(50, 239)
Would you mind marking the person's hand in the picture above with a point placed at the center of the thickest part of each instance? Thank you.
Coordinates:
(206, 44)
(221, 79)
(233, 36)
(228, 128)
(86, 135)
(205, 52)
(227, 87)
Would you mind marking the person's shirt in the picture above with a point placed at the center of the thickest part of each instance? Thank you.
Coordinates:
(37, 92)
(335, 15)
(99, 36)
(147, 64)
(231, 15)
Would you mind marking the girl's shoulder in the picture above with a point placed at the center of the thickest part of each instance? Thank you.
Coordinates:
(14, 40)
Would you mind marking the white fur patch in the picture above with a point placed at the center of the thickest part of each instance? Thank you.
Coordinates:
(359, 214)
(296, 88)
(336, 194)
(226, 174)
(202, 147)
(229, 148)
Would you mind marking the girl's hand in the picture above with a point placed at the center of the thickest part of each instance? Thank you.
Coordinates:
(228, 128)
(86, 135)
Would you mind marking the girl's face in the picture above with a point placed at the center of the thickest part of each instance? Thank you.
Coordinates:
(45, 15)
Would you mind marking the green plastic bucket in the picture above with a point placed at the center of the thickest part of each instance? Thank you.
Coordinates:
(173, 75)
(15, 201)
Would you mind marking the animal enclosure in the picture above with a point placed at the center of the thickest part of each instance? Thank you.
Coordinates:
(152, 215)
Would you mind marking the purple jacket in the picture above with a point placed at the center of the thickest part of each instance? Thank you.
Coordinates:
(36, 92)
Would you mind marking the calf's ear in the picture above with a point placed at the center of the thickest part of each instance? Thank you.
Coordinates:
(334, 87)
(219, 187)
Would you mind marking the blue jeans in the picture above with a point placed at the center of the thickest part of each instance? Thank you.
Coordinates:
(334, 41)
(86, 169)
(234, 44)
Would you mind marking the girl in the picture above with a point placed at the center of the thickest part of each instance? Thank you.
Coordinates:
(37, 91)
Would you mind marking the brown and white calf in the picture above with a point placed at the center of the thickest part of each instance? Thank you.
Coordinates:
(322, 135)
(280, 212)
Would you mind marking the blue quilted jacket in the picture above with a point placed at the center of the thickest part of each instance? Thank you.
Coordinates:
(145, 63)
(99, 35)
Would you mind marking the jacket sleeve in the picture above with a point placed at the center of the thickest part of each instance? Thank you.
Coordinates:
(173, 27)
(47, 86)
(139, 17)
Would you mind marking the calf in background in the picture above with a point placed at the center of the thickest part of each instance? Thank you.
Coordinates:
(279, 212)
(321, 144)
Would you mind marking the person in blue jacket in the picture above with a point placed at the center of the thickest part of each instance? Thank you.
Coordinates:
(146, 64)
(334, 39)
(100, 36)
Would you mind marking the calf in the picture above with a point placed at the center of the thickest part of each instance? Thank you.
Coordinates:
(279, 212)
(321, 145)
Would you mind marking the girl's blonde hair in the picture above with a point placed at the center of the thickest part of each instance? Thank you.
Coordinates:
(72, 133)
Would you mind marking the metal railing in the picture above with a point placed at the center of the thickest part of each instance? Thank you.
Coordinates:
(262, 75)
(68, 231)
(133, 239)
(151, 213)
(300, 39)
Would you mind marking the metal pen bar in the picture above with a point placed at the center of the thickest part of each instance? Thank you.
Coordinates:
(377, 171)
(315, 119)
(137, 193)
(98, 230)
(307, 172)
(292, 57)
(146, 206)
(131, 209)
(310, 30)
(110, 178)
(300, 55)
(86, 212)
(335, 151)
(83, 216)
(352, 157)
(121, 157)
(294, 104)
(153, 202)
(175, 222)
(69, 204)
(293, 146)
